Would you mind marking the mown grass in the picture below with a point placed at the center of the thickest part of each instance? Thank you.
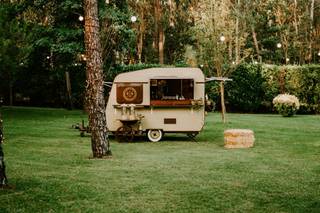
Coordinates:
(48, 163)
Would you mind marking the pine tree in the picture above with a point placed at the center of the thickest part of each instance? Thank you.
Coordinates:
(95, 98)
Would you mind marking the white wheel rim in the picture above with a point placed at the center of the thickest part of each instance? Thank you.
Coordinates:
(154, 135)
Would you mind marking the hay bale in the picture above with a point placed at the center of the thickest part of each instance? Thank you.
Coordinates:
(238, 138)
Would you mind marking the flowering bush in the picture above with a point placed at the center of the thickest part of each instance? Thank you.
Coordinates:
(287, 105)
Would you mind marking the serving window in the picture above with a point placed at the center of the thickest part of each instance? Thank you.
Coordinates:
(171, 92)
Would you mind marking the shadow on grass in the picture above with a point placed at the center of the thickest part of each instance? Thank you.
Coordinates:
(47, 194)
(174, 139)
(26, 189)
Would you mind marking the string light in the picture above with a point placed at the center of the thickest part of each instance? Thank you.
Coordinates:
(81, 18)
(133, 19)
(222, 38)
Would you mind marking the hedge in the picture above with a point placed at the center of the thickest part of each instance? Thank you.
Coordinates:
(255, 85)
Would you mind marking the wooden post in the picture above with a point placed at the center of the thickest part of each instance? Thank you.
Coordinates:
(223, 107)
(68, 83)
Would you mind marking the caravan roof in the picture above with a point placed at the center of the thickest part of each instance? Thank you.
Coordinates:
(144, 76)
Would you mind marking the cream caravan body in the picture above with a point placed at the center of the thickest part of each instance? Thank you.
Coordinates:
(156, 101)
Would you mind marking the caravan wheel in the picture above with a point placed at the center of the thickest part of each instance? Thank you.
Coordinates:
(154, 135)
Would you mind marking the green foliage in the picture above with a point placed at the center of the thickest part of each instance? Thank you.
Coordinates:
(254, 87)
(305, 83)
(179, 35)
(301, 81)
(245, 92)
(14, 47)
(39, 42)
(285, 110)
(118, 35)
(272, 83)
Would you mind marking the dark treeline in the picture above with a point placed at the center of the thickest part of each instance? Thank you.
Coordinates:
(42, 42)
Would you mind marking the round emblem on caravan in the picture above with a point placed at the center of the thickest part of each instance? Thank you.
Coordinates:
(130, 94)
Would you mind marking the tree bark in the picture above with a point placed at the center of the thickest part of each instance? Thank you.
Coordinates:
(311, 30)
(295, 21)
(161, 44)
(255, 41)
(94, 89)
(141, 35)
(3, 177)
(159, 33)
(140, 46)
(156, 25)
(237, 52)
(296, 29)
(230, 50)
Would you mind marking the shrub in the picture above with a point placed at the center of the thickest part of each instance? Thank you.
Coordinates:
(287, 105)
(301, 81)
(245, 92)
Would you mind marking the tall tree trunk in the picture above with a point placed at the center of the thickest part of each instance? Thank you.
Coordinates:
(140, 46)
(156, 25)
(230, 50)
(286, 56)
(161, 44)
(255, 41)
(311, 30)
(141, 35)
(237, 34)
(160, 32)
(95, 98)
(159, 38)
(142, 29)
(295, 21)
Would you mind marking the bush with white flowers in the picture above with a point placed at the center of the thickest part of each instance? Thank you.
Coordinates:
(287, 105)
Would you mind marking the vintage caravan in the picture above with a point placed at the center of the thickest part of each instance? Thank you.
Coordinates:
(156, 101)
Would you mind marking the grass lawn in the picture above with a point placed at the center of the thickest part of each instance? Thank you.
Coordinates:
(48, 163)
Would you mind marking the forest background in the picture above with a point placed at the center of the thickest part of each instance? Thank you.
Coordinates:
(267, 46)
